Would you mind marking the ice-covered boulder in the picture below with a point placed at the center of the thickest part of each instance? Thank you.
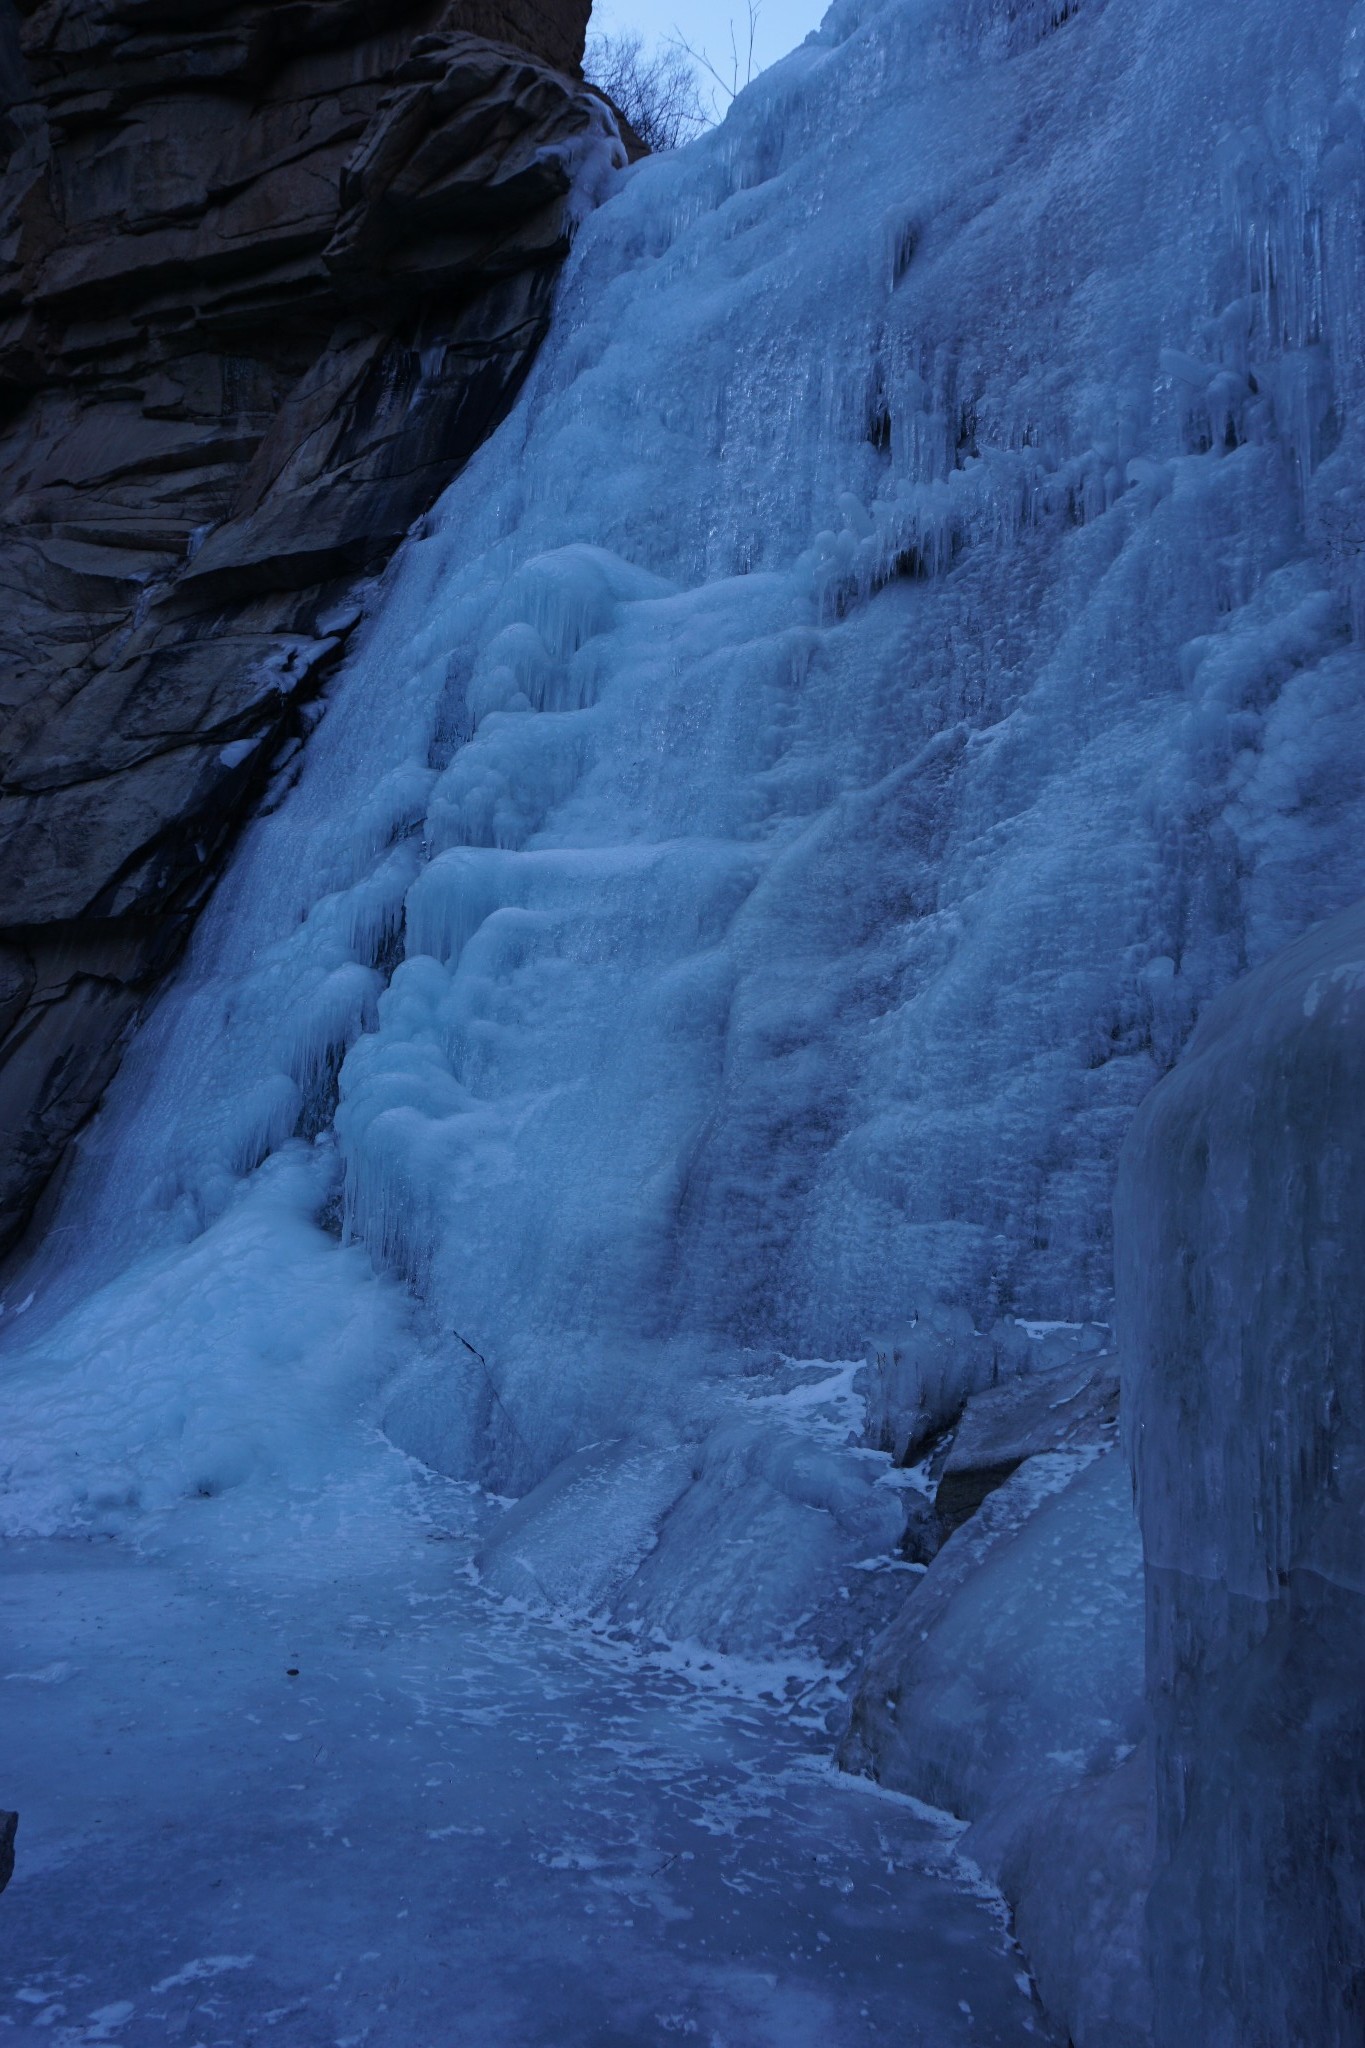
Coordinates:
(1059, 1408)
(787, 1535)
(775, 1533)
(919, 1377)
(1239, 1211)
(575, 1539)
(1009, 1690)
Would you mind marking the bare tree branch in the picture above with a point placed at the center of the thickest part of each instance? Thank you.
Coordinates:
(732, 86)
(658, 95)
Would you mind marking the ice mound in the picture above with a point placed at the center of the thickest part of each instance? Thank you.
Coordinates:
(242, 1359)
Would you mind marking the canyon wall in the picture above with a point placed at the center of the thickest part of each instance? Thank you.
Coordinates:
(268, 275)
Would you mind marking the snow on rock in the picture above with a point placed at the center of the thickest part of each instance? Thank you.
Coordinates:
(1242, 1306)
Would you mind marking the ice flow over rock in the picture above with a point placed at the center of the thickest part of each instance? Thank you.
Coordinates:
(896, 662)
(1238, 1211)
(893, 665)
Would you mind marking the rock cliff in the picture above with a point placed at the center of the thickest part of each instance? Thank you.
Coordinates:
(269, 273)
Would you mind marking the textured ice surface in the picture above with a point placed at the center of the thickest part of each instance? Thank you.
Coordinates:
(452, 1828)
(1010, 1689)
(893, 666)
(1016, 1666)
(1238, 1216)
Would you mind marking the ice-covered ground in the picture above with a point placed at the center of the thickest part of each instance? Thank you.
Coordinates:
(894, 664)
(295, 1782)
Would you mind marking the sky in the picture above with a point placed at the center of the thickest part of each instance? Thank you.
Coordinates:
(782, 24)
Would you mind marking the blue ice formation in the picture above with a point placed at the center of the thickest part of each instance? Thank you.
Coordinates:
(897, 662)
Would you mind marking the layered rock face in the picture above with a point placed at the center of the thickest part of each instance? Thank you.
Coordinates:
(1242, 1302)
(269, 273)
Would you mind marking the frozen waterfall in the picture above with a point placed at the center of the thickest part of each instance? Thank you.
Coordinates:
(893, 665)
(789, 806)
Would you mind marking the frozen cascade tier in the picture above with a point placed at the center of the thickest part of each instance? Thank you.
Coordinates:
(896, 661)
(1238, 1217)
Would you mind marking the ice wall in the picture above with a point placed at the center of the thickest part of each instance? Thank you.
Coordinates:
(894, 664)
(1238, 1219)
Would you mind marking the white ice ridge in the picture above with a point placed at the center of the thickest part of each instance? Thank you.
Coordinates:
(894, 664)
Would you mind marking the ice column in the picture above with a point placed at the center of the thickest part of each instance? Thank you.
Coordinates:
(1242, 1301)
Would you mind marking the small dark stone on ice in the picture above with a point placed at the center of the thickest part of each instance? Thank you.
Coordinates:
(9, 1822)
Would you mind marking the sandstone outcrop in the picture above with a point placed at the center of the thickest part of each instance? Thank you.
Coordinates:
(269, 273)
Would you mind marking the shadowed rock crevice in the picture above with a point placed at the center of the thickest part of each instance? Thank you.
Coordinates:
(269, 274)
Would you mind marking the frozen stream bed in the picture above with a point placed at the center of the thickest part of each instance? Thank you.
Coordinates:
(457, 1823)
